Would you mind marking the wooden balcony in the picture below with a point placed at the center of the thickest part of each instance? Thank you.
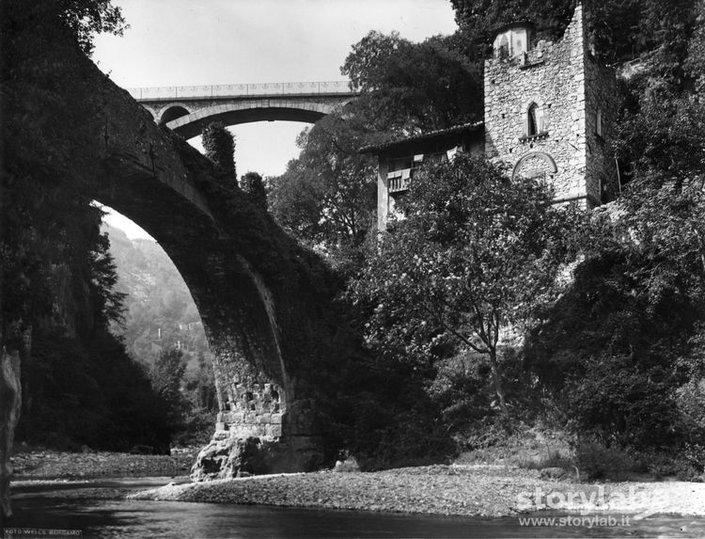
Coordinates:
(398, 180)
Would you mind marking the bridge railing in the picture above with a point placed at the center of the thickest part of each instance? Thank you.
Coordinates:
(241, 90)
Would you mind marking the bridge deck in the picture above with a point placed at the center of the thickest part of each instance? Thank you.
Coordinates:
(224, 91)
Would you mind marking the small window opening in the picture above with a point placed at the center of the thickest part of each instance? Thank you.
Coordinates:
(503, 50)
(598, 123)
(533, 120)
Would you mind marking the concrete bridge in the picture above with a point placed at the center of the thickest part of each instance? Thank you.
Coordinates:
(187, 109)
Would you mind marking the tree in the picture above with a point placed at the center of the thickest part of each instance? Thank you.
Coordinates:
(86, 18)
(167, 377)
(620, 29)
(253, 185)
(409, 88)
(474, 255)
(219, 144)
(81, 19)
(661, 138)
(326, 197)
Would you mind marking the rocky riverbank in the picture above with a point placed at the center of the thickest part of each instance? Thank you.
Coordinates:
(461, 489)
(92, 464)
(469, 490)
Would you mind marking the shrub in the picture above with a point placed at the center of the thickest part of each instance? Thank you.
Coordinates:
(461, 390)
(690, 400)
(597, 461)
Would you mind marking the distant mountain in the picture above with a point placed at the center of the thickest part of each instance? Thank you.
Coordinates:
(160, 312)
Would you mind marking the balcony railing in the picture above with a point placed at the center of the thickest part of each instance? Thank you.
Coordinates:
(398, 180)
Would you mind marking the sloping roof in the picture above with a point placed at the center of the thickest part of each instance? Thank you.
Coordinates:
(424, 137)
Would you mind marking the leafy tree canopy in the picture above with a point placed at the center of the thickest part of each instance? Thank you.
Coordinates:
(327, 195)
(413, 87)
(82, 19)
(219, 144)
(253, 185)
(621, 29)
(474, 254)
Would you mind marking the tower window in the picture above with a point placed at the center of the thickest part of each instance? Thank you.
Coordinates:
(503, 50)
(533, 120)
(598, 123)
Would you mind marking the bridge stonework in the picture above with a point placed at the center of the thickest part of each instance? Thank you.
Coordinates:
(267, 304)
(187, 109)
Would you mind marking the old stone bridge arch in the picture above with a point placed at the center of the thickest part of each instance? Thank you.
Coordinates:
(266, 302)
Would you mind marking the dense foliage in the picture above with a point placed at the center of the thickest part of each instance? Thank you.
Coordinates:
(409, 88)
(326, 197)
(253, 185)
(620, 29)
(219, 144)
(57, 277)
(474, 255)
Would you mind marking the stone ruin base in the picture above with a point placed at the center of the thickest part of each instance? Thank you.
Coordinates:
(230, 455)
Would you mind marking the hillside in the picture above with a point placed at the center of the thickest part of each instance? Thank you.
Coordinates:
(159, 311)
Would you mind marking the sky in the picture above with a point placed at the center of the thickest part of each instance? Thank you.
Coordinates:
(197, 42)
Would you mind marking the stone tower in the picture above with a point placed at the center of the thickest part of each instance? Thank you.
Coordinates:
(550, 110)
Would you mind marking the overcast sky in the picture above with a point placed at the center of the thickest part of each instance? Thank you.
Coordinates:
(192, 42)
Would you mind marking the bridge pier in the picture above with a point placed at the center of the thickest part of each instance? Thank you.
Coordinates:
(257, 431)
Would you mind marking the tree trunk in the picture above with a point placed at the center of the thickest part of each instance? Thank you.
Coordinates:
(497, 380)
(10, 404)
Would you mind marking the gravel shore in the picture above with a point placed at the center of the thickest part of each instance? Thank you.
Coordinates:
(89, 464)
(469, 490)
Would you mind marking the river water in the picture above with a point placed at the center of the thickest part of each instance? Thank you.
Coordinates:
(44, 510)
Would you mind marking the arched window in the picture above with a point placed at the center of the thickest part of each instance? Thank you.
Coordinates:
(503, 50)
(533, 120)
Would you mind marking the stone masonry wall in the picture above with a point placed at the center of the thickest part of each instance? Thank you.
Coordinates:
(600, 95)
(568, 86)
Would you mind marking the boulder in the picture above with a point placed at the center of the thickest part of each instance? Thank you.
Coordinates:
(229, 455)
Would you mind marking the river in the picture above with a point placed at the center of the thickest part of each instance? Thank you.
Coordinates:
(91, 507)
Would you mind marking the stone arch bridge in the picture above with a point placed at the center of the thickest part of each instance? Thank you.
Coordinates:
(268, 304)
(187, 109)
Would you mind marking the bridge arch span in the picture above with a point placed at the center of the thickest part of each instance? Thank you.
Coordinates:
(233, 297)
(191, 125)
(172, 112)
